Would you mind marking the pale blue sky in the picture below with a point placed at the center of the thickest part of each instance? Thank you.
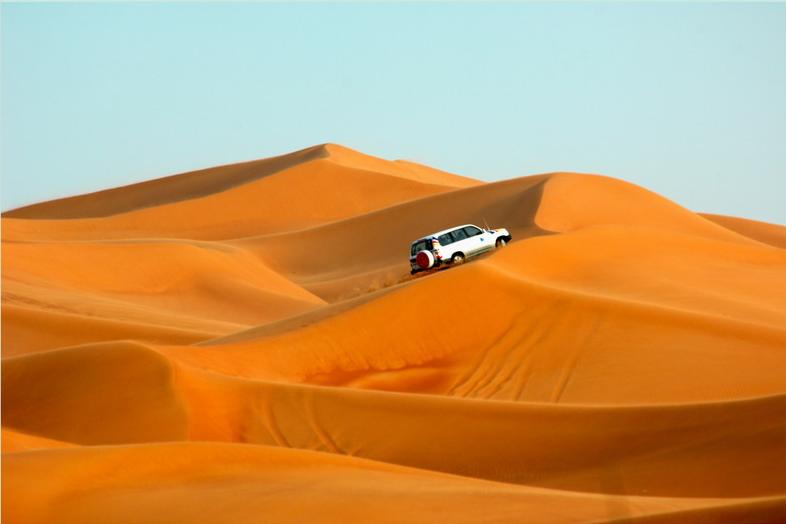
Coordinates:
(688, 100)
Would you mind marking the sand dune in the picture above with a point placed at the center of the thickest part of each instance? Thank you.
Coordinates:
(295, 191)
(48, 304)
(526, 206)
(772, 234)
(249, 483)
(146, 283)
(31, 329)
(15, 441)
(206, 182)
(245, 343)
(124, 393)
(645, 449)
(568, 324)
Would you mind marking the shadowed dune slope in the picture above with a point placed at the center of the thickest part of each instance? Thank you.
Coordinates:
(245, 343)
(528, 206)
(366, 252)
(132, 289)
(100, 393)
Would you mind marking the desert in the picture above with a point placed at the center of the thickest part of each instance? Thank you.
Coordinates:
(245, 344)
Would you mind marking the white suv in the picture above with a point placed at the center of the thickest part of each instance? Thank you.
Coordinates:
(454, 245)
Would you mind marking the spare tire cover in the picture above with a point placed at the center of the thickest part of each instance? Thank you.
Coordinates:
(425, 259)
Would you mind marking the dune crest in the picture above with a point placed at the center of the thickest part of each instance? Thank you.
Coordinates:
(246, 342)
(772, 234)
(288, 192)
(175, 188)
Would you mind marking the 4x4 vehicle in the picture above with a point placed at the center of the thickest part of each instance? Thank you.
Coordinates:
(454, 246)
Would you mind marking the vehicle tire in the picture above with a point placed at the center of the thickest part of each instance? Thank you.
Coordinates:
(501, 242)
(456, 259)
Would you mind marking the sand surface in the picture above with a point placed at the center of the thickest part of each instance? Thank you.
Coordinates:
(245, 344)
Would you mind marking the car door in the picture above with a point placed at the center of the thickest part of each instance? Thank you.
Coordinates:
(446, 242)
(460, 242)
(476, 241)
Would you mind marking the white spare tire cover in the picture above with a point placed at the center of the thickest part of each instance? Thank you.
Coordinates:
(425, 259)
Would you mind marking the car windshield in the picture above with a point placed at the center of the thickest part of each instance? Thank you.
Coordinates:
(419, 246)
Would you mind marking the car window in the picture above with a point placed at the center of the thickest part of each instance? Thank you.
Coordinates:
(445, 239)
(459, 234)
(419, 246)
(472, 231)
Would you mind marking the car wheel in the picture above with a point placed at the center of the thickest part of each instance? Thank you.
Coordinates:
(457, 259)
(501, 242)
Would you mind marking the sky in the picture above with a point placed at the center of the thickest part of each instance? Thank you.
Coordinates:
(685, 99)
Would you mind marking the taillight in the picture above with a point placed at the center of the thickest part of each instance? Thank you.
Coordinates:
(435, 248)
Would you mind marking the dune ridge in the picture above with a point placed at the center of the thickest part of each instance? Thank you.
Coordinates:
(245, 342)
(294, 191)
(205, 182)
(772, 234)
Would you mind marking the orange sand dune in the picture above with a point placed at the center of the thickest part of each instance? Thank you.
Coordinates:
(300, 190)
(31, 329)
(772, 234)
(528, 206)
(39, 302)
(14, 441)
(244, 343)
(255, 483)
(655, 449)
(204, 282)
(568, 324)
(124, 393)
(205, 182)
